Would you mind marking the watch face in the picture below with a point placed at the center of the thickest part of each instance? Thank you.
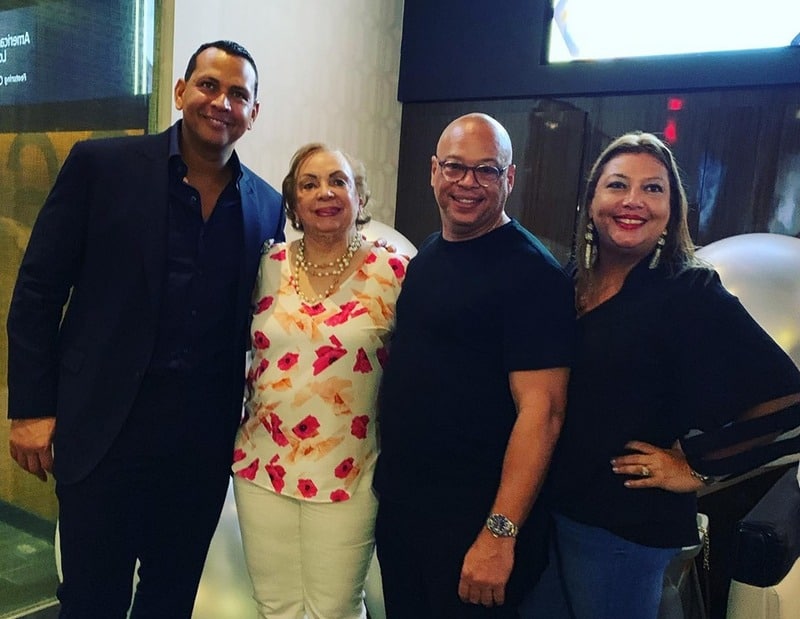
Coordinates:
(500, 526)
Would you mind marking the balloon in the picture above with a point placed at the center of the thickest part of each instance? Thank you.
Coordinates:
(225, 590)
(763, 271)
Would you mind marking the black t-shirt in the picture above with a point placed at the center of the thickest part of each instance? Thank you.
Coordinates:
(469, 313)
(666, 355)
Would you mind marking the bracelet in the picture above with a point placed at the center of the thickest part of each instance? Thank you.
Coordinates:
(705, 479)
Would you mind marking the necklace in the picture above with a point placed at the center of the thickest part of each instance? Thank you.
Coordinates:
(337, 267)
(328, 269)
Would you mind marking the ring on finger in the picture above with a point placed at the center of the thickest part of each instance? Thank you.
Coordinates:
(646, 472)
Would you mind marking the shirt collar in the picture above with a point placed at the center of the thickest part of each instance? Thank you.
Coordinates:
(176, 158)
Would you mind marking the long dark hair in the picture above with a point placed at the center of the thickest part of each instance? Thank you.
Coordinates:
(678, 251)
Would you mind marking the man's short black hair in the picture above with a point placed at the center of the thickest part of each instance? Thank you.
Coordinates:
(230, 47)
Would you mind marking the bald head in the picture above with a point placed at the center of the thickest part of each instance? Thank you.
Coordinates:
(472, 201)
(481, 129)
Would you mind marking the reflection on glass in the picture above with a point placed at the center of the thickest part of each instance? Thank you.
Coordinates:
(58, 60)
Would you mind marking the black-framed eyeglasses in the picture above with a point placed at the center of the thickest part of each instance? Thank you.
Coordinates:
(485, 174)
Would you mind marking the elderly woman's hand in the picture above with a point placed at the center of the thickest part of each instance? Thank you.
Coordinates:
(382, 242)
(654, 467)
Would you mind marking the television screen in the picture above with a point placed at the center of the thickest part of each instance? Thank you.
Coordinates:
(68, 51)
(592, 30)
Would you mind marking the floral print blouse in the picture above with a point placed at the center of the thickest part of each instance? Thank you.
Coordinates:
(309, 427)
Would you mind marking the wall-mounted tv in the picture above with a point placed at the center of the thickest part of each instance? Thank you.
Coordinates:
(455, 50)
(626, 46)
(70, 64)
(613, 29)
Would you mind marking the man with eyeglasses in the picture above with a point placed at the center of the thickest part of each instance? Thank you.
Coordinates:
(473, 394)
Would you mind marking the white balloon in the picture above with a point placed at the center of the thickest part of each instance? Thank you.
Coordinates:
(225, 590)
(763, 270)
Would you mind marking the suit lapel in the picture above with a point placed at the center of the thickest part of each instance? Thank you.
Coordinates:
(253, 240)
(151, 181)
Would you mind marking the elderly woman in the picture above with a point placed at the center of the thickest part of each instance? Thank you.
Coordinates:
(663, 350)
(305, 453)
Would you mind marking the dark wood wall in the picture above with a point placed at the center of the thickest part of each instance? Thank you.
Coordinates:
(455, 50)
(738, 131)
(739, 151)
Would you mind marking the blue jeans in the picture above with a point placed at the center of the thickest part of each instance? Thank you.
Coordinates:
(593, 574)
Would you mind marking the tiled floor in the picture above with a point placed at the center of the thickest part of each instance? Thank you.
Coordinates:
(47, 613)
(28, 577)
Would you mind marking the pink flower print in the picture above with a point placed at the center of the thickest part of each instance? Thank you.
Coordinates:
(398, 267)
(287, 361)
(312, 310)
(371, 258)
(277, 434)
(339, 495)
(362, 363)
(281, 255)
(347, 311)
(257, 371)
(263, 304)
(307, 428)
(238, 455)
(260, 340)
(272, 424)
(307, 488)
(383, 356)
(358, 427)
(249, 472)
(344, 468)
(276, 474)
(327, 355)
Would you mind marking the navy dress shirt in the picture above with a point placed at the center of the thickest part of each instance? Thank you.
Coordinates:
(197, 319)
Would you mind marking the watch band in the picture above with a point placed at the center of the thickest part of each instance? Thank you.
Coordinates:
(706, 479)
(501, 526)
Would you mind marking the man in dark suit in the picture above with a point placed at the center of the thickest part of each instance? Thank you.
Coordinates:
(133, 398)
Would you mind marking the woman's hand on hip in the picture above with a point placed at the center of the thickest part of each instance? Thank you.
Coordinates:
(654, 467)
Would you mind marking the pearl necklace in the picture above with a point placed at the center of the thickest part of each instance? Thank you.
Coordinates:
(319, 270)
(335, 269)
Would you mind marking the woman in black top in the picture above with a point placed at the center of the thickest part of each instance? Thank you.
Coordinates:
(673, 383)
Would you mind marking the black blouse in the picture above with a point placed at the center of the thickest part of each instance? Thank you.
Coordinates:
(662, 359)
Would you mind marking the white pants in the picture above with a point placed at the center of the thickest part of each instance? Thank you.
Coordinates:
(307, 559)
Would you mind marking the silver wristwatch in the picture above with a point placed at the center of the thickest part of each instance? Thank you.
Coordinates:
(500, 526)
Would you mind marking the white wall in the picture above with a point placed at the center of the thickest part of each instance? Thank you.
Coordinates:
(328, 71)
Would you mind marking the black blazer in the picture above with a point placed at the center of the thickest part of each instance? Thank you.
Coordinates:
(100, 242)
